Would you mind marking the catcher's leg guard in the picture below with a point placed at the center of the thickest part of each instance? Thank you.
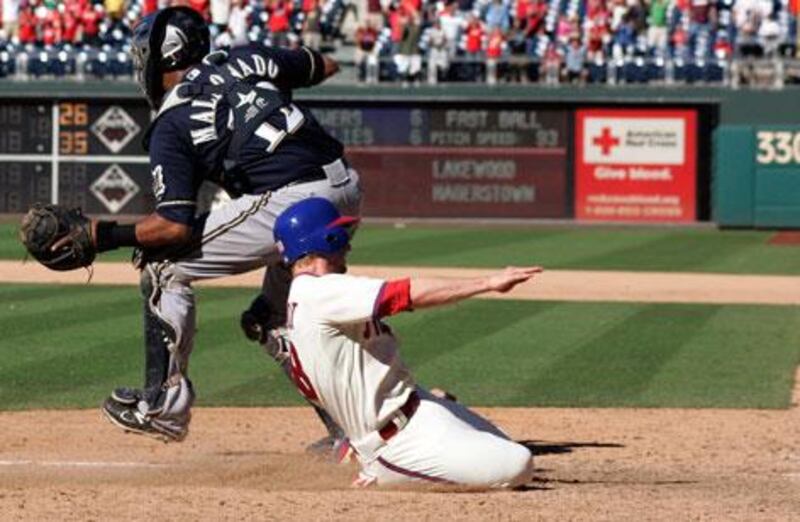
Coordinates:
(169, 326)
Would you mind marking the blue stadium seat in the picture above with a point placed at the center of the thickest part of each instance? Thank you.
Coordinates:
(679, 72)
(598, 72)
(121, 65)
(8, 65)
(98, 65)
(713, 72)
(655, 71)
(694, 72)
(39, 64)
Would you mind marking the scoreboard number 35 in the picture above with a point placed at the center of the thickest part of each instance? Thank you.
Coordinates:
(778, 147)
(73, 136)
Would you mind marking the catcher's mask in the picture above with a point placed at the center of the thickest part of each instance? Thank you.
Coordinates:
(167, 40)
(312, 226)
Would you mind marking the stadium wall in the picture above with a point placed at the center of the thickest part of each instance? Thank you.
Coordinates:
(457, 150)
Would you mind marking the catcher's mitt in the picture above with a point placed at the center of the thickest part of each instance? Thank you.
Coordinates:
(67, 228)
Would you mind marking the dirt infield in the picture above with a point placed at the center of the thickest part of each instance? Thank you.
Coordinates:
(249, 464)
(564, 285)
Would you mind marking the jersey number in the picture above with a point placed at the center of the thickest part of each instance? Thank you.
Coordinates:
(273, 135)
(299, 377)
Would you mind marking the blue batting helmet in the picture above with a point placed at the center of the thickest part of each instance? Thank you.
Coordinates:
(311, 226)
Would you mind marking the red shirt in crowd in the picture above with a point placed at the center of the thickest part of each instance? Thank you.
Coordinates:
(51, 34)
(90, 20)
(201, 6)
(522, 9)
(70, 27)
(149, 6)
(27, 27)
(397, 22)
(412, 6)
(701, 10)
(494, 48)
(366, 38)
(279, 16)
(536, 13)
(474, 37)
(594, 7)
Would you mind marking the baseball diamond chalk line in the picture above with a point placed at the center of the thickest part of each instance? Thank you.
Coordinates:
(79, 464)
(552, 285)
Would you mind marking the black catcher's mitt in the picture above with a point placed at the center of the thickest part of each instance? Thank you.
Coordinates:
(47, 225)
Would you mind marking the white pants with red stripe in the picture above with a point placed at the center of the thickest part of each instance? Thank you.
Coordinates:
(447, 443)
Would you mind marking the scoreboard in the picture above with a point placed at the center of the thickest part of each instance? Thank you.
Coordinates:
(451, 160)
(77, 153)
(415, 159)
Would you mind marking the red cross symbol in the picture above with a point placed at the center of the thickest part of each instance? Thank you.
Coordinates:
(605, 141)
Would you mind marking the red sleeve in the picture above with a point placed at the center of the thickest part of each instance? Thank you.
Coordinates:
(394, 297)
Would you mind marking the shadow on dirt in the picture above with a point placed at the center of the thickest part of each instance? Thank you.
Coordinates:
(538, 447)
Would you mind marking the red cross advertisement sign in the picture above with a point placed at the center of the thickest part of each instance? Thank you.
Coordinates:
(635, 165)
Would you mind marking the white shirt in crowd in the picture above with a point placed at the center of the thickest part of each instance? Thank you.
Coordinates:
(10, 11)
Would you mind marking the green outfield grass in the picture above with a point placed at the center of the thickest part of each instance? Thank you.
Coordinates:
(68, 346)
(620, 248)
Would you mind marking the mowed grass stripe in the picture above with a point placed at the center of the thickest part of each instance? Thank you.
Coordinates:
(442, 338)
(493, 353)
(754, 366)
(45, 318)
(630, 354)
(592, 248)
(53, 347)
(636, 248)
(61, 356)
(519, 354)
(684, 251)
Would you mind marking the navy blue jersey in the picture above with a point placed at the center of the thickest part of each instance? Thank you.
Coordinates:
(232, 121)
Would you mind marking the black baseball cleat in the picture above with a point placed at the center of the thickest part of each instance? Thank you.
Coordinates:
(130, 419)
(127, 396)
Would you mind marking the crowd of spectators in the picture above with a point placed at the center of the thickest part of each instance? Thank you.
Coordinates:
(557, 41)
(63, 37)
(97, 23)
(550, 41)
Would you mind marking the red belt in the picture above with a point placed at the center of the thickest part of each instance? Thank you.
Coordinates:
(401, 417)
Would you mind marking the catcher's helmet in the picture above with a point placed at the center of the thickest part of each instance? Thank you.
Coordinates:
(312, 226)
(167, 40)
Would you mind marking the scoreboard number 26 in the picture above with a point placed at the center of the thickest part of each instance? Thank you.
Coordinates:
(73, 116)
(778, 147)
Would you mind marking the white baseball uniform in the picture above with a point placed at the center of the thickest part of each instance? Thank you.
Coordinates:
(346, 359)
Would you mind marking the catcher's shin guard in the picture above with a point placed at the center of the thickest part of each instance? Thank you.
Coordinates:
(168, 332)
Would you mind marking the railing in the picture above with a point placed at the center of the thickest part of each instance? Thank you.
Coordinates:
(759, 72)
(756, 72)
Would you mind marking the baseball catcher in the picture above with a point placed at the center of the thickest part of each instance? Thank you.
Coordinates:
(227, 117)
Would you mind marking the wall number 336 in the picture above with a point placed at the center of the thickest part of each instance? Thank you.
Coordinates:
(780, 147)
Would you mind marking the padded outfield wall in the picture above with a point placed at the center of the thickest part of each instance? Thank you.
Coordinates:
(618, 153)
